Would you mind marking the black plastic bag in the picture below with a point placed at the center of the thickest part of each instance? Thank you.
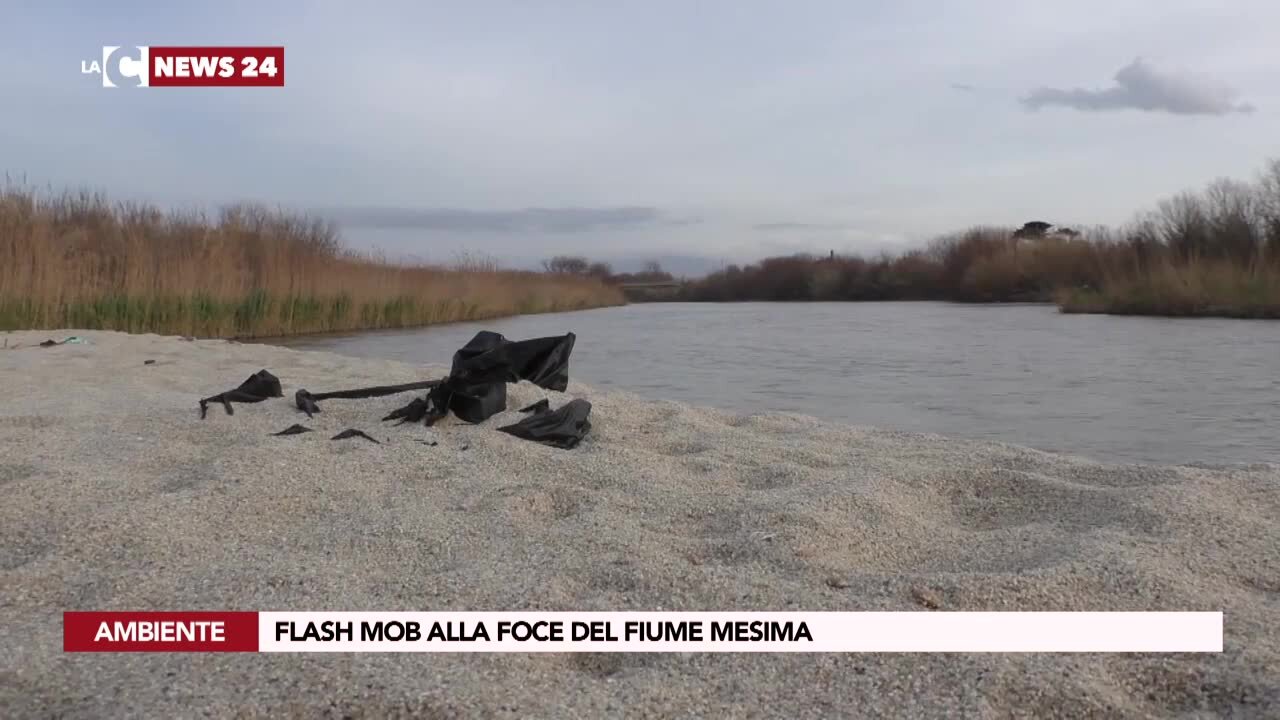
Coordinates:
(260, 386)
(563, 427)
(476, 388)
(490, 357)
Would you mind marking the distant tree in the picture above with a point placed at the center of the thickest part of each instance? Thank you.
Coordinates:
(651, 272)
(1269, 208)
(1185, 225)
(567, 264)
(1238, 229)
(1033, 229)
(601, 270)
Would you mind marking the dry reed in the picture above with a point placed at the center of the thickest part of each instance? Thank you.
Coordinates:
(1216, 288)
(76, 260)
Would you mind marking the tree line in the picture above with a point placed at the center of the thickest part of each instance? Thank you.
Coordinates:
(1210, 252)
(650, 271)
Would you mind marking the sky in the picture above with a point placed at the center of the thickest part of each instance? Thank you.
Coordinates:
(700, 132)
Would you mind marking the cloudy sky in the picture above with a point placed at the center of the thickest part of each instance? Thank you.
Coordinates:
(723, 130)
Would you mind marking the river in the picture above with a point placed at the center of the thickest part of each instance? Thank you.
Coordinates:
(1119, 389)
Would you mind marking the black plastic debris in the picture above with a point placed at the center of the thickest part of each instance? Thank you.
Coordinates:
(489, 357)
(415, 411)
(563, 427)
(294, 429)
(541, 406)
(49, 343)
(352, 433)
(306, 401)
(476, 387)
(474, 390)
(148, 362)
(260, 386)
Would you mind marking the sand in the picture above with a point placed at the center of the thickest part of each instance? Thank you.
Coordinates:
(117, 496)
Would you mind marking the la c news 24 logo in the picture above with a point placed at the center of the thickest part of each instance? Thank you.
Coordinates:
(188, 66)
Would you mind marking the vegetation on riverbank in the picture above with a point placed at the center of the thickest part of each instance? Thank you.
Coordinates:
(984, 264)
(77, 260)
(1211, 253)
(1202, 288)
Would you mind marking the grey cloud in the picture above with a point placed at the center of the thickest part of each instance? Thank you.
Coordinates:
(1139, 86)
(543, 220)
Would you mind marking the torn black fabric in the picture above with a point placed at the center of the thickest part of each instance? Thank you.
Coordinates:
(260, 386)
(415, 411)
(541, 406)
(306, 401)
(490, 357)
(351, 433)
(293, 430)
(476, 388)
(563, 427)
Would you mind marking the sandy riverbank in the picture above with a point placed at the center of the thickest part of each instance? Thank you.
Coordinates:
(117, 496)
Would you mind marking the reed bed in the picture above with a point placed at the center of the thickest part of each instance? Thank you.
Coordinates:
(1189, 289)
(76, 260)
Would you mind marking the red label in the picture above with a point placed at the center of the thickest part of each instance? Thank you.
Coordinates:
(160, 631)
(216, 66)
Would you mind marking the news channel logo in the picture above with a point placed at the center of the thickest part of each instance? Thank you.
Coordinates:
(121, 66)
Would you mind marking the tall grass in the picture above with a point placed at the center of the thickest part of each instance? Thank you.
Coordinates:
(76, 260)
(1197, 288)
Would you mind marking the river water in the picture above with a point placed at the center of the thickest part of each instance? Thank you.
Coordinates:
(1119, 389)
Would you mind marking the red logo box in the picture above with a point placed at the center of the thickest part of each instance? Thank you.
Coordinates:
(160, 631)
(195, 66)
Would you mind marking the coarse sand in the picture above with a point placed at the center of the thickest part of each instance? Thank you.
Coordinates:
(117, 496)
